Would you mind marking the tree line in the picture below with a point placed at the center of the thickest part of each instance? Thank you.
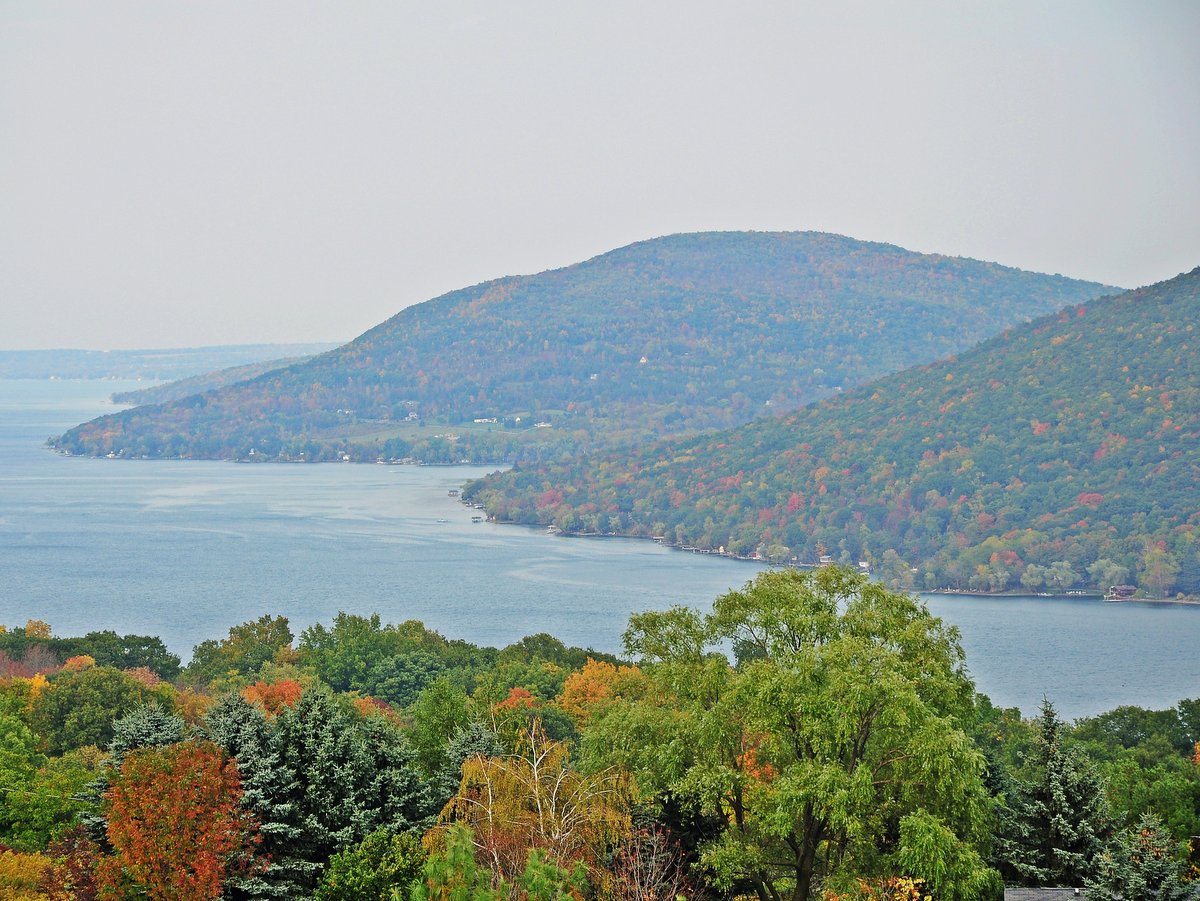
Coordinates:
(813, 735)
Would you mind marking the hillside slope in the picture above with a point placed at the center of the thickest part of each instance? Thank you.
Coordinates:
(1072, 440)
(662, 337)
(206, 381)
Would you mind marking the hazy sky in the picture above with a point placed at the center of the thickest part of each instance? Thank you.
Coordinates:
(183, 173)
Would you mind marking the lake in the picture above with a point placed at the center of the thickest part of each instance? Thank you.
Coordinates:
(186, 549)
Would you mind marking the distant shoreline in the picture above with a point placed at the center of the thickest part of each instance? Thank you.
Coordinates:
(1090, 595)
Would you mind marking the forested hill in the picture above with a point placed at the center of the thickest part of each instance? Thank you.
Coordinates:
(1064, 452)
(197, 384)
(662, 337)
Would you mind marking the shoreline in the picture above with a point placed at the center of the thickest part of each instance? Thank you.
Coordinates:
(1085, 594)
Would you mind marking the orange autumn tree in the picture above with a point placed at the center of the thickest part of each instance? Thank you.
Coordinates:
(175, 822)
(273, 697)
(598, 682)
(535, 800)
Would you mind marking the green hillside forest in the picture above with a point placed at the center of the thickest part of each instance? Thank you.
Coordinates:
(665, 337)
(811, 737)
(1062, 453)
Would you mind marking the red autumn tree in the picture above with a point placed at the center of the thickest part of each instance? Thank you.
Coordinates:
(273, 697)
(175, 822)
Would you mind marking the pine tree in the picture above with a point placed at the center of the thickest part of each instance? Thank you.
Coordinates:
(1055, 825)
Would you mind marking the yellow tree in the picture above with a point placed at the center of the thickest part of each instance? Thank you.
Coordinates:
(535, 800)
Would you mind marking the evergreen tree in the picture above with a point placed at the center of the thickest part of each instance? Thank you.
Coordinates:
(244, 732)
(319, 779)
(146, 727)
(1141, 865)
(1054, 827)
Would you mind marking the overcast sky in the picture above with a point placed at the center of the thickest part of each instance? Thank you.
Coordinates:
(176, 174)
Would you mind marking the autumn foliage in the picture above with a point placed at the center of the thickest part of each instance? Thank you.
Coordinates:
(175, 823)
(535, 801)
(273, 697)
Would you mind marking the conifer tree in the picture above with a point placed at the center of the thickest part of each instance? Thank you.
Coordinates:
(243, 731)
(1055, 825)
(1140, 864)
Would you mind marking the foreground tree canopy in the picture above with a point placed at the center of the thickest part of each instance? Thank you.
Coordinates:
(834, 747)
(811, 736)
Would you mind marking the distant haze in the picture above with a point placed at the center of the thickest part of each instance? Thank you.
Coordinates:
(244, 172)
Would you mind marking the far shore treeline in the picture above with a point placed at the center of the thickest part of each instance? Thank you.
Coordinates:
(814, 735)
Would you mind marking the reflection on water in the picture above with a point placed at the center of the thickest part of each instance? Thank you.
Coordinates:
(186, 549)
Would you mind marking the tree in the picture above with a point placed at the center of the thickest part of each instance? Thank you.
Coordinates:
(19, 763)
(79, 708)
(517, 803)
(243, 731)
(175, 822)
(243, 653)
(1060, 575)
(439, 712)
(894, 572)
(21, 875)
(843, 715)
(1105, 573)
(53, 798)
(1141, 864)
(319, 778)
(380, 865)
(648, 865)
(1055, 825)
(1033, 577)
(1157, 570)
(452, 874)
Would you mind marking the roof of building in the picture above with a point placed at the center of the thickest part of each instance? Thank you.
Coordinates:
(1043, 894)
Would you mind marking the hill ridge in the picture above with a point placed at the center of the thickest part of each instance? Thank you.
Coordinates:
(1072, 439)
(667, 336)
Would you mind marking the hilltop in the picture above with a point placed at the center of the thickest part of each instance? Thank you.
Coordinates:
(669, 336)
(1063, 452)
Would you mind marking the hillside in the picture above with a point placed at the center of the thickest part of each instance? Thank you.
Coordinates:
(668, 336)
(198, 384)
(1064, 452)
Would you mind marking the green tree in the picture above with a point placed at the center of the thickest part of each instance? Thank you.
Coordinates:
(439, 713)
(242, 653)
(267, 794)
(1105, 573)
(19, 763)
(379, 866)
(78, 708)
(1060, 575)
(1034, 577)
(842, 721)
(1157, 570)
(894, 572)
(319, 778)
(1056, 822)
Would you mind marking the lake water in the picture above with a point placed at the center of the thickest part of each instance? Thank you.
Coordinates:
(184, 550)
